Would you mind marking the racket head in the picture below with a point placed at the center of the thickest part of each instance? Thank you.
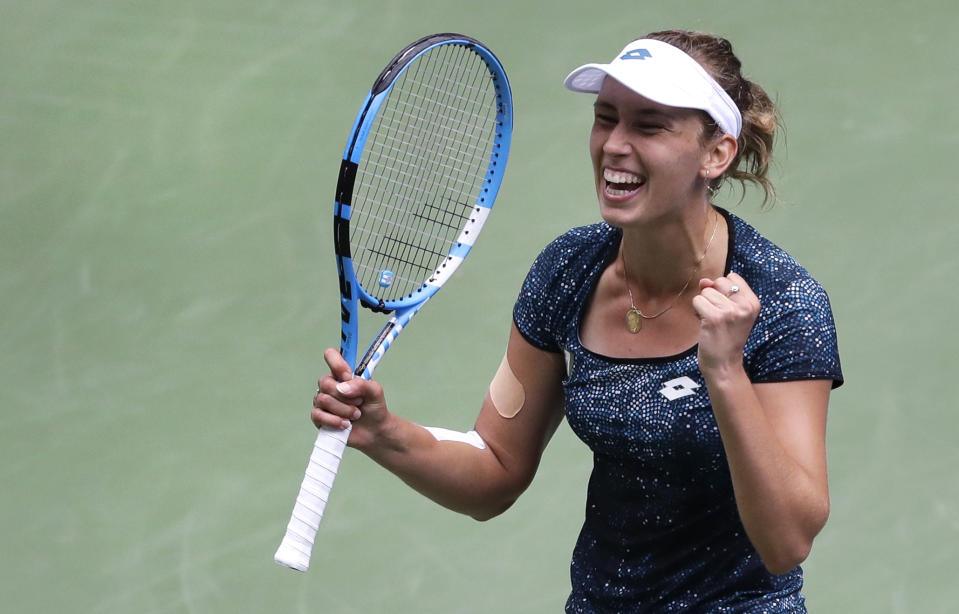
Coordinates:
(421, 171)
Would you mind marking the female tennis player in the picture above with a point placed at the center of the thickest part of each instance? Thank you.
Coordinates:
(693, 356)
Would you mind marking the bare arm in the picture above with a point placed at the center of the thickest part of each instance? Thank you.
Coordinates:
(479, 482)
(774, 434)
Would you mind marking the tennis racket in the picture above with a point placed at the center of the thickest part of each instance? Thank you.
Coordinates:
(421, 170)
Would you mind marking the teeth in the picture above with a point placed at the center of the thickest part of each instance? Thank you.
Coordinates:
(619, 177)
(615, 192)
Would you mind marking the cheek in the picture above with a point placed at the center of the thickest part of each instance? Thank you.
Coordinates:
(683, 164)
(596, 140)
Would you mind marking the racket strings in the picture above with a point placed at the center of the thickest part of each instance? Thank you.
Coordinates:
(422, 108)
(423, 169)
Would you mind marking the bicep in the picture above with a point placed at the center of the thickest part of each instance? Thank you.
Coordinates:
(797, 413)
(531, 393)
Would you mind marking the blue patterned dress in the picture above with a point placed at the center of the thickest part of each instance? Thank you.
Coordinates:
(662, 532)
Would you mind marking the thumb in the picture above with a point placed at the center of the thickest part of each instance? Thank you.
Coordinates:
(339, 368)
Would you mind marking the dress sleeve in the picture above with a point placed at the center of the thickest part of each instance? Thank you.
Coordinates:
(534, 312)
(798, 340)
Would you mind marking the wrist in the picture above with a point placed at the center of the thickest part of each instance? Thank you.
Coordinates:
(726, 376)
(382, 437)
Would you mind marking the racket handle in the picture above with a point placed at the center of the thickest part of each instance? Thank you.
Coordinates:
(297, 545)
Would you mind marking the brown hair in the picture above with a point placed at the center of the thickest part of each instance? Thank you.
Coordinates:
(760, 116)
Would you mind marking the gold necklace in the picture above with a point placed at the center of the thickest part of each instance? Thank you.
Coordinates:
(635, 317)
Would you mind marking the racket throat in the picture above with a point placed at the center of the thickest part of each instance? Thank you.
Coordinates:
(379, 307)
(378, 347)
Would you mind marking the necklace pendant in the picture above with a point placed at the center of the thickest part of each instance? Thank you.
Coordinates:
(634, 320)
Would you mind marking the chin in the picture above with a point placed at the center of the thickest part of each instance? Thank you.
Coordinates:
(623, 214)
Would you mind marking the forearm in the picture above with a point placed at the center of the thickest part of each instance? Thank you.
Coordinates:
(479, 482)
(783, 503)
(454, 474)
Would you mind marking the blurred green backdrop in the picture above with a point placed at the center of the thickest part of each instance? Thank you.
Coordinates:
(167, 287)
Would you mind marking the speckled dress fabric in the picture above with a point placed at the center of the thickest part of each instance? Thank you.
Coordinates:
(662, 533)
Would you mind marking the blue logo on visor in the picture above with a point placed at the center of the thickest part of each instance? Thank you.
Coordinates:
(636, 54)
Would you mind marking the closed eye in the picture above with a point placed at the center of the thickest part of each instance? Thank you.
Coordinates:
(650, 127)
(605, 114)
(605, 119)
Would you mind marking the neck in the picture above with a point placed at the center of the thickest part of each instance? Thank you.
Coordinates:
(661, 258)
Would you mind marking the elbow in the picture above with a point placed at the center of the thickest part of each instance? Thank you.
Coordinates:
(788, 553)
(490, 511)
(785, 560)
(497, 501)
(495, 504)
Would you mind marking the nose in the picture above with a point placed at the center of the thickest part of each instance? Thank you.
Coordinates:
(616, 142)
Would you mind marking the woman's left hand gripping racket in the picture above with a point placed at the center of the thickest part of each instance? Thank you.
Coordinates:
(421, 171)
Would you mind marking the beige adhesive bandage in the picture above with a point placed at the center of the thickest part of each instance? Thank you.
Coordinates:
(506, 392)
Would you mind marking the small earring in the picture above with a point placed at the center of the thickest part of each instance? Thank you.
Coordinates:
(710, 190)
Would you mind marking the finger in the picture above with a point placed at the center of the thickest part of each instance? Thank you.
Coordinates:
(330, 410)
(743, 294)
(715, 296)
(339, 368)
(328, 386)
(705, 307)
(705, 282)
(329, 399)
(359, 390)
(731, 287)
(322, 418)
(722, 285)
(737, 280)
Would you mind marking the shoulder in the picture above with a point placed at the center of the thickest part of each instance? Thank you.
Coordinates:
(769, 269)
(559, 281)
(583, 242)
(794, 336)
(573, 254)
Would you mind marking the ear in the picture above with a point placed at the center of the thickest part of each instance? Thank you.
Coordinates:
(720, 153)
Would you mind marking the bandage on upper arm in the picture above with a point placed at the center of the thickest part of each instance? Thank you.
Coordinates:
(506, 391)
(507, 394)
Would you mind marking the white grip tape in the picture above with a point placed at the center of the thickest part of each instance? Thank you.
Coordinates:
(297, 545)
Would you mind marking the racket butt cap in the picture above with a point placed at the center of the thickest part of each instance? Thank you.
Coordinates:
(288, 556)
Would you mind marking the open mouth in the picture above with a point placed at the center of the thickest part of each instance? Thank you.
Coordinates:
(620, 184)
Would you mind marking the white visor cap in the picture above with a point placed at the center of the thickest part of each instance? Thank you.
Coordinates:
(664, 74)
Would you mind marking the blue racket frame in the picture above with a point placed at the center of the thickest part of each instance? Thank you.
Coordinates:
(297, 544)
